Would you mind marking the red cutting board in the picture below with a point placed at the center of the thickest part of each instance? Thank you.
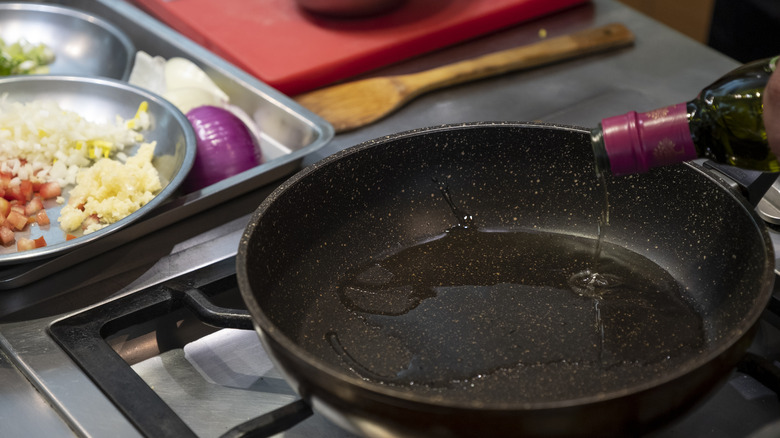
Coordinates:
(295, 51)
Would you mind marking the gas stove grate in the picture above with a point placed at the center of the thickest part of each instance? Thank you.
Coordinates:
(84, 337)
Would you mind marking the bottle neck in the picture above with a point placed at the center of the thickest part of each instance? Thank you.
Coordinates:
(635, 142)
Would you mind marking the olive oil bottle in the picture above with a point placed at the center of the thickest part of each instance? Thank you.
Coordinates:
(723, 123)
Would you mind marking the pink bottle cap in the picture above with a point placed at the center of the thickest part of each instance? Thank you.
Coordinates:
(636, 142)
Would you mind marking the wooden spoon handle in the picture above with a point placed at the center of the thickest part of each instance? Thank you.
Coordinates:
(533, 55)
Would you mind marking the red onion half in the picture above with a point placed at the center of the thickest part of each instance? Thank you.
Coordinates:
(225, 147)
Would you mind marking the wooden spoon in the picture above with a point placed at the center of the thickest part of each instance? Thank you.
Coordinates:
(354, 104)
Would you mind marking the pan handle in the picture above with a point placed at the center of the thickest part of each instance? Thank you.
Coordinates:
(273, 422)
(751, 184)
(270, 423)
(209, 313)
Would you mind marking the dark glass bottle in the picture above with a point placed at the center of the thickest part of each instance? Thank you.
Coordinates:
(723, 123)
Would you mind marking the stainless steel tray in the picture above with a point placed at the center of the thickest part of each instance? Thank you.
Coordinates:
(289, 132)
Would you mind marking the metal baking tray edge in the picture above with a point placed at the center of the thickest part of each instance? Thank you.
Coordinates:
(284, 125)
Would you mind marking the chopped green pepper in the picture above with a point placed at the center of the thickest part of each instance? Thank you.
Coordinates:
(23, 57)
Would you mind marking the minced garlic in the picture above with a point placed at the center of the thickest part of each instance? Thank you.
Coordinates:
(111, 190)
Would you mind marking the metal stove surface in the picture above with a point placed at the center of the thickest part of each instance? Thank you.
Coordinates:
(225, 379)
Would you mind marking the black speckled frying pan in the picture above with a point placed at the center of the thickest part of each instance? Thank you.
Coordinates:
(395, 313)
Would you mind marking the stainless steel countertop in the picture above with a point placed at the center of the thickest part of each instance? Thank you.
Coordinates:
(663, 67)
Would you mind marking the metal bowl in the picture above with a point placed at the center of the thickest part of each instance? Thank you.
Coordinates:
(83, 44)
(101, 100)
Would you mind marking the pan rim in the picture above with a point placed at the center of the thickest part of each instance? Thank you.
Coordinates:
(386, 392)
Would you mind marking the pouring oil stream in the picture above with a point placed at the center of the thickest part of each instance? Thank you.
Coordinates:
(590, 282)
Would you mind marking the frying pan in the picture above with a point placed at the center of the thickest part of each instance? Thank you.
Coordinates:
(421, 284)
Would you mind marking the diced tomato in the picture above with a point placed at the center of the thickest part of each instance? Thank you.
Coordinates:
(22, 204)
(23, 244)
(49, 190)
(90, 220)
(34, 206)
(16, 220)
(15, 194)
(6, 235)
(42, 218)
(69, 236)
(27, 189)
(22, 192)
